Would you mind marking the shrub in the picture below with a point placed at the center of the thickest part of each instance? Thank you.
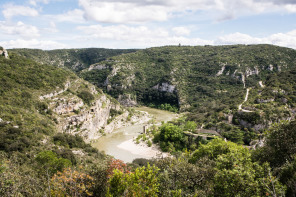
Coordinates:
(50, 162)
(149, 143)
(86, 96)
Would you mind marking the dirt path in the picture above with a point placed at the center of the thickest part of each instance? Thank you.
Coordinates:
(246, 99)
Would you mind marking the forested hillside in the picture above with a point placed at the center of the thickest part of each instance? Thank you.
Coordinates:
(74, 59)
(210, 82)
(46, 115)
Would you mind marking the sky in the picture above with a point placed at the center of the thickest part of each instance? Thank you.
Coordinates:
(119, 24)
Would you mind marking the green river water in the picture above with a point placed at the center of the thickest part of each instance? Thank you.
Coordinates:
(109, 143)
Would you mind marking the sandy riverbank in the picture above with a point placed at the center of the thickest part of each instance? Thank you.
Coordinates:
(142, 149)
(120, 143)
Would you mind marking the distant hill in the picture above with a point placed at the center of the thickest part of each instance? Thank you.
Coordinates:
(74, 59)
(210, 82)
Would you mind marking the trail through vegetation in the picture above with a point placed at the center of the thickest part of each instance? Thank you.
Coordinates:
(245, 100)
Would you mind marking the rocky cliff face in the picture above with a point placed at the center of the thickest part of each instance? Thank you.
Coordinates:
(165, 87)
(74, 116)
(127, 100)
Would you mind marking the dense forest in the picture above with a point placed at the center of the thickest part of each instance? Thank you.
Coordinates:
(248, 153)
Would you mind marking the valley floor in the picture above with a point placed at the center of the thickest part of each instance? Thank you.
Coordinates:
(121, 145)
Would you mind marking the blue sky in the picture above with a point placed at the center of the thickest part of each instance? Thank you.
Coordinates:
(52, 24)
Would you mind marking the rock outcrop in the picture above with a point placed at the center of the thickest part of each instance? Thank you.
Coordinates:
(127, 100)
(165, 87)
(220, 72)
(91, 121)
(3, 52)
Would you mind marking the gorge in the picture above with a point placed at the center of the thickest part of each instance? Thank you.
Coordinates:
(72, 110)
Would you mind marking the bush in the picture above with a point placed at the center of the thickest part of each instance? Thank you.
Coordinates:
(50, 162)
(149, 143)
(68, 140)
(143, 182)
(86, 96)
(280, 146)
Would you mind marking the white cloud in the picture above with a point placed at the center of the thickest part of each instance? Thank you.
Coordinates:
(281, 39)
(133, 11)
(237, 38)
(181, 31)
(33, 43)
(123, 32)
(11, 10)
(142, 37)
(74, 16)
(122, 12)
(52, 28)
(35, 2)
(291, 8)
(138, 36)
(280, 2)
(19, 29)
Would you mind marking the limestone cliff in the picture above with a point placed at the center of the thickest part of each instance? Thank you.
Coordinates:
(73, 115)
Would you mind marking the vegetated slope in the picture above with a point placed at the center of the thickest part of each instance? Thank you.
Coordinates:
(24, 119)
(54, 95)
(46, 115)
(31, 150)
(74, 59)
(37, 101)
(208, 81)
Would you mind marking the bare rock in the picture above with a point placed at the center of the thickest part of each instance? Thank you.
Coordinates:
(4, 53)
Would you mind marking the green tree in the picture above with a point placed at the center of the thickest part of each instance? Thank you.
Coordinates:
(171, 133)
(236, 174)
(177, 177)
(50, 162)
(287, 176)
(280, 151)
(280, 144)
(19, 179)
(190, 126)
(141, 183)
(86, 96)
(71, 182)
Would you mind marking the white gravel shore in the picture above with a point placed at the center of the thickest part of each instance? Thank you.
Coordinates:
(142, 149)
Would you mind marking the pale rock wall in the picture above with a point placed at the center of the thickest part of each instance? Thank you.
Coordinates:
(250, 72)
(165, 87)
(4, 53)
(127, 100)
(256, 127)
(97, 67)
(220, 72)
(88, 121)
(265, 100)
(65, 106)
(75, 117)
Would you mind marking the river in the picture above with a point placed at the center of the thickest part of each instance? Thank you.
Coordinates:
(120, 143)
